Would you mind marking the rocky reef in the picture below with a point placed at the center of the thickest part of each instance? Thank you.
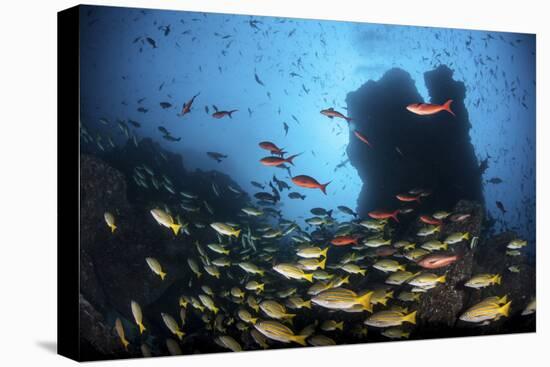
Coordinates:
(410, 151)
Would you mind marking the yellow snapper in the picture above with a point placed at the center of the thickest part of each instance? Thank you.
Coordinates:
(320, 341)
(342, 298)
(172, 325)
(173, 347)
(165, 220)
(218, 249)
(254, 286)
(428, 231)
(381, 296)
(516, 244)
(388, 265)
(331, 325)
(396, 333)
(297, 303)
(279, 332)
(312, 264)
(155, 266)
(251, 268)
(225, 341)
(120, 332)
(400, 277)
(225, 229)
(486, 311)
(483, 280)
(427, 280)
(291, 271)
(434, 245)
(275, 310)
(138, 316)
(353, 269)
(390, 318)
(312, 252)
(457, 237)
(531, 308)
(208, 302)
(110, 220)
(246, 316)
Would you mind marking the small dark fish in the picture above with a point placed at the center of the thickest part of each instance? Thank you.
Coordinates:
(501, 207)
(163, 130)
(257, 184)
(296, 195)
(152, 42)
(165, 105)
(495, 180)
(346, 210)
(265, 196)
(142, 109)
(206, 109)
(258, 80)
(134, 123)
(216, 156)
(171, 138)
(484, 165)
(280, 184)
(285, 126)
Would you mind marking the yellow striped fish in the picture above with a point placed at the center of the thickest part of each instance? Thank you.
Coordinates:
(279, 332)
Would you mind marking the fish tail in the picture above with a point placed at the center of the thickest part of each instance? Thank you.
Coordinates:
(237, 232)
(253, 321)
(442, 278)
(261, 272)
(141, 328)
(365, 301)
(175, 227)
(125, 343)
(340, 325)
(324, 252)
(215, 310)
(445, 246)
(225, 252)
(162, 275)
(289, 159)
(447, 107)
(180, 334)
(466, 236)
(498, 279)
(309, 277)
(394, 215)
(324, 187)
(505, 310)
(229, 113)
(300, 339)
(307, 304)
(411, 318)
(113, 227)
(345, 280)
(261, 287)
(323, 263)
(348, 119)
(504, 299)
(389, 294)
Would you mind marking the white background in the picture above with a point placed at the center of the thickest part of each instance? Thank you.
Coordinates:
(28, 182)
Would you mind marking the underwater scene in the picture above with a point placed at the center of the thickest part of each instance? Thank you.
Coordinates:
(251, 183)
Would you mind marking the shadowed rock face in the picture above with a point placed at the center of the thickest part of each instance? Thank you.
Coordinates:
(436, 152)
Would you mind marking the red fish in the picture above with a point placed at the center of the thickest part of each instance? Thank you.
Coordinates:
(309, 183)
(429, 220)
(277, 161)
(378, 214)
(187, 105)
(430, 109)
(331, 113)
(408, 198)
(344, 240)
(362, 137)
(273, 149)
(459, 217)
(221, 114)
(436, 261)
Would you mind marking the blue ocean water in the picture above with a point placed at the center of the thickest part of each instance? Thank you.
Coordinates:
(278, 71)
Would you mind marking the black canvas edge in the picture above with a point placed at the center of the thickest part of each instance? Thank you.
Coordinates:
(68, 153)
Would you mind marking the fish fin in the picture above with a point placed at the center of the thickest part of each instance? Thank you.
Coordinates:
(237, 233)
(253, 321)
(505, 310)
(229, 113)
(394, 215)
(442, 278)
(331, 109)
(324, 252)
(324, 187)
(180, 334)
(141, 328)
(309, 277)
(411, 318)
(225, 252)
(215, 310)
(365, 301)
(261, 287)
(261, 272)
(113, 227)
(389, 294)
(125, 343)
(323, 263)
(162, 275)
(300, 339)
(504, 299)
(362, 272)
(447, 107)
(345, 280)
(466, 236)
(307, 304)
(289, 159)
(175, 227)
(445, 246)
(498, 279)
(340, 325)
